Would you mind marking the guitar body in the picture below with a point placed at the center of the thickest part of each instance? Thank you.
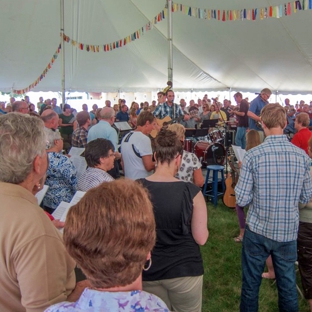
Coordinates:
(229, 199)
(160, 123)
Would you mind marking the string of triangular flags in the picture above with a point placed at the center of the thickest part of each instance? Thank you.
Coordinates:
(43, 74)
(273, 11)
(121, 42)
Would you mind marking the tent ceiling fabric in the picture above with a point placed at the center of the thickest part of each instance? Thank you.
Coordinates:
(207, 54)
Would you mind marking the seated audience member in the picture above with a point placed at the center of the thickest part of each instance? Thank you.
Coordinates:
(100, 156)
(35, 269)
(92, 113)
(61, 174)
(50, 119)
(80, 135)
(20, 107)
(290, 128)
(112, 243)
(123, 114)
(304, 243)
(303, 134)
(176, 275)
(190, 169)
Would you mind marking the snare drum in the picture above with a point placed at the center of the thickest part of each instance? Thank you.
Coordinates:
(210, 153)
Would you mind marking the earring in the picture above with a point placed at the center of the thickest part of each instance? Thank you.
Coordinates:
(149, 265)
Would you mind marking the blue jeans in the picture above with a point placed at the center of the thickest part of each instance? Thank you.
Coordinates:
(240, 138)
(256, 249)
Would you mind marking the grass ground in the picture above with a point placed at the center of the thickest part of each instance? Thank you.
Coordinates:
(222, 263)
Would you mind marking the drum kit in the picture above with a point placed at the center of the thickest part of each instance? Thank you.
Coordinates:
(210, 148)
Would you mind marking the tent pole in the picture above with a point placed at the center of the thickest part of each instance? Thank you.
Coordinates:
(63, 51)
(170, 58)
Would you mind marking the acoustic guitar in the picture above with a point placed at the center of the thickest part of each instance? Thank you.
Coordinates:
(164, 122)
(229, 198)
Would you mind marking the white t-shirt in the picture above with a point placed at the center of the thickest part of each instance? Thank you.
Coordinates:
(134, 146)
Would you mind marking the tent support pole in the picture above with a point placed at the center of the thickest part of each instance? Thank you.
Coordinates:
(170, 58)
(63, 51)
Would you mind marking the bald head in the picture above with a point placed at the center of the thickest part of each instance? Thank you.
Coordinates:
(108, 114)
(50, 119)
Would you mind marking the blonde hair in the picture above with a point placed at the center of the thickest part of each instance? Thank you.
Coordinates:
(178, 129)
(303, 118)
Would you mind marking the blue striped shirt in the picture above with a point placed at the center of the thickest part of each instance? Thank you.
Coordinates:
(274, 178)
(164, 110)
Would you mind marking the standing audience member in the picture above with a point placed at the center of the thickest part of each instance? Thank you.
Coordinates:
(100, 156)
(56, 108)
(61, 174)
(303, 134)
(290, 128)
(255, 108)
(92, 114)
(176, 275)
(35, 269)
(20, 107)
(80, 135)
(190, 169)
(304, 242)
(66, 125)
(274, 178)
(240, 137)
(112, 243)
(136, 149)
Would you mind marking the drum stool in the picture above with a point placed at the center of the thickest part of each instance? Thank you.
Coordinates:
(213, 193)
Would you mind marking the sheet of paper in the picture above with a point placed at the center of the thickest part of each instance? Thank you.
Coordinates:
(60, 212)
(76, 151)
(41, 194)
(79, 163)
(77, 197)
(239, 152)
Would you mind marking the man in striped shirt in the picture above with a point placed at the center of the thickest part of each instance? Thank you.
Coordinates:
(274, 178)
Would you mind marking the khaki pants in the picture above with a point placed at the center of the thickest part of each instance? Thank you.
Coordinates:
(183, 294)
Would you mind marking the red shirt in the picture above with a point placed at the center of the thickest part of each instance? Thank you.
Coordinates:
(301, 139)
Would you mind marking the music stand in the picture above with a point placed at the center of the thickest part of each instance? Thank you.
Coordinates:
(190, 133)
(210, 123)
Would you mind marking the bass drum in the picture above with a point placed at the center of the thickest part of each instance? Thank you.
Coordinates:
(209, 153)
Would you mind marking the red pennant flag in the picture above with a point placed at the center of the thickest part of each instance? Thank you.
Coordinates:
(219, 13)
(271, 11)
(231, 15)
(288, 8)
(114, 45)
(223, 16)
(120, 43)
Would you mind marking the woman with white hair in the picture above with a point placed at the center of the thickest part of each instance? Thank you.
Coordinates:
(61, 173)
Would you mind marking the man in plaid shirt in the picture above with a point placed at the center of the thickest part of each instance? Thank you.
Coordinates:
(170, 109)
(80, 135)
(274, 178)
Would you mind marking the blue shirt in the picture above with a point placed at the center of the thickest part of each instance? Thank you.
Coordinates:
(255, 107)
(274, 178)
(103, 130)
(164, 110)
(61, 179)
(121, 116)
(127, 301)
(57, 109)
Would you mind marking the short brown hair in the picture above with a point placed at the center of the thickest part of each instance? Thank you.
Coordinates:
(144, 117)
(273, 116)
(110, 233)
(167, 146)
(303, 118)
(97, 149)
(82, 117)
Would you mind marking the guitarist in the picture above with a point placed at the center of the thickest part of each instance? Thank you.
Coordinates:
(169, 108)
(255, 108)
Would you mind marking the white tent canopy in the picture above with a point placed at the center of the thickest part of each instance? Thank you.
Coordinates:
(207, 55)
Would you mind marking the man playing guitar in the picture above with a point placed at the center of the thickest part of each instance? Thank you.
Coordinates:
(255, 108)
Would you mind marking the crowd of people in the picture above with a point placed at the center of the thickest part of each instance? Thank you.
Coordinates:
(136, 239)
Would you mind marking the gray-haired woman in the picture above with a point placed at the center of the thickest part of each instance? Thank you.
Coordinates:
(61, 173)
